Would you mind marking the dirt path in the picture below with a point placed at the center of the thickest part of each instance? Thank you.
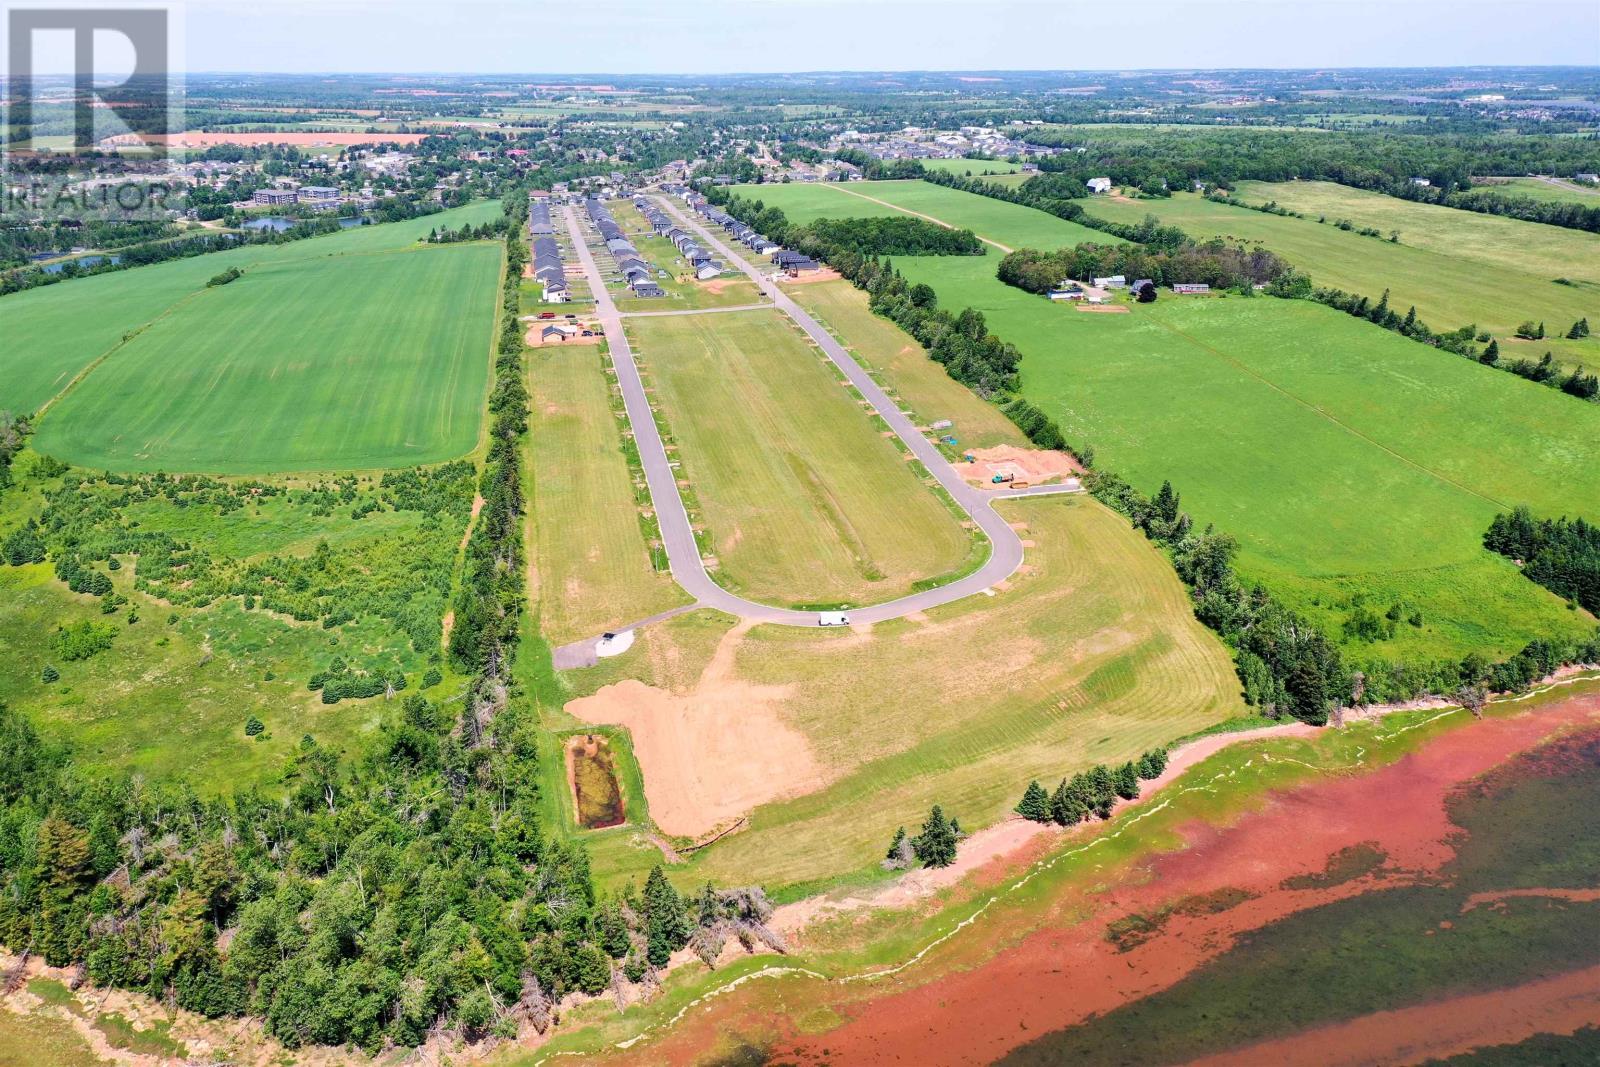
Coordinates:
(1559, 1005)
(918, 214)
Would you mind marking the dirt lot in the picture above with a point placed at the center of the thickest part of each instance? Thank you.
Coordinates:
(711, 754)
(826, 274)
(1105, 309)
(1028, 466)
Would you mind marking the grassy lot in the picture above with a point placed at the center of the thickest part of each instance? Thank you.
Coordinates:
(1010, 225)
(972, 167)
(1091, 654)
(1337, 454)
(383, 362)
(1342, 457)
(183, 672)
(593, 565)
(49, 339)
(1450, 284)
(903, 368)
(1538, 189)
(27, 1040)
(806, 501)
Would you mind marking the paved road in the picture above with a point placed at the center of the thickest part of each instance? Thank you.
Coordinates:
(683, 554)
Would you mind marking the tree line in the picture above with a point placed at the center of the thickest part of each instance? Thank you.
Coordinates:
(1560, 554)
(1383, 162)
(1214, 263)
(1094, 792)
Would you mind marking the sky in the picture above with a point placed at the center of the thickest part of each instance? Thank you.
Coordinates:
(762, 36)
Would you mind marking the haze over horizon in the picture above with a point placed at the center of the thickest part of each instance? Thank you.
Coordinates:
(778, 36)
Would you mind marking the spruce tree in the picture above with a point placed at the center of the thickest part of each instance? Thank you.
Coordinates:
(1067, 807)
(894, 846)
(1491, 355)
(936, 845)
(1152, 763)
(1126, 781)
(1580, 330)
(49, 674)
(1035, 804)
(1102, 791)
(665, 928)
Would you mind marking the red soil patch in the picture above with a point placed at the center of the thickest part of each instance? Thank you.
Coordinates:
(826, 274)
(1027, 466)
(1104, 309)
(713, 753)
(1062, 975)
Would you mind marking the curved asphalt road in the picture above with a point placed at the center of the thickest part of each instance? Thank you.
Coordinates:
(683, 554)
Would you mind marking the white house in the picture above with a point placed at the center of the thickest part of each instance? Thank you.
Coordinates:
(1099, 185)
(1111, 281)
(1423, 182)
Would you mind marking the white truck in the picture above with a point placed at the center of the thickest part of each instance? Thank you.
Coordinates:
(832, 618)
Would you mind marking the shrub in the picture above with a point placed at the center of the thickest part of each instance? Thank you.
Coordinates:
(253, 726)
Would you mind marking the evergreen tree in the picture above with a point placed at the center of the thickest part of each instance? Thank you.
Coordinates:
(894, 846)
(1580, 330)
(49, 674)
(1067, 803)
(1491, 354)
(1035, 804)
(936, 845)
(1152, 763)
(666, 930)
(1102, 791)
(1126, 781)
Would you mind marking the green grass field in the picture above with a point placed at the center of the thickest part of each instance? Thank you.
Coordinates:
(805, 500)
(1091, 654)
(973, 167)
(173, 691)
(1349, 462)
(593, 566)
(1450, 279)
(1010, 225)
(1539, 189)
(383, 362)
(903, 368)
(50, 339)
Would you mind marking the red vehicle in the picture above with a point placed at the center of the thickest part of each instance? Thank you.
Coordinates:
(547, 314)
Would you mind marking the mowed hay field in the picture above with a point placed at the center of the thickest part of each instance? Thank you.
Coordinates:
(1089, 654)
(592, 564)
(1538, 189)
(975, 167)
(327, 364)
(1346, 460)
(49, 339)
(1451, 283)
(807, 501)
(1004, 224)
(903, 368)
(252, 386)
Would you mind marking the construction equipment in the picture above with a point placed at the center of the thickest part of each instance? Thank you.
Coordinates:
(1003, 479)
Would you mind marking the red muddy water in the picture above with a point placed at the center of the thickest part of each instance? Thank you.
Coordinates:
(1154, 925)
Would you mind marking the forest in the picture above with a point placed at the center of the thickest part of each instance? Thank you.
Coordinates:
(1560, 554)
(1214, 263)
